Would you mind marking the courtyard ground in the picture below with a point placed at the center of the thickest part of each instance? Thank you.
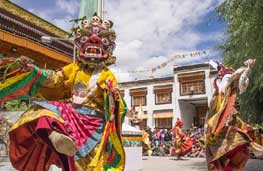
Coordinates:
(190, 164)
(167, 164)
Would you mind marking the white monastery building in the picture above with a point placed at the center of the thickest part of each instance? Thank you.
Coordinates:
(185, 95)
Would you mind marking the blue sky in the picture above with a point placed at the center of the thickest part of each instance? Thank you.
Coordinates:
(149, 32)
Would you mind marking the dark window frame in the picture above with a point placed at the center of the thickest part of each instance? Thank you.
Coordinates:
(190, 93)
(145, 100)
(157, 122)
(161, 103)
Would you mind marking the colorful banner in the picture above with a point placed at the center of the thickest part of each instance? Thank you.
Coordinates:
(170, 60)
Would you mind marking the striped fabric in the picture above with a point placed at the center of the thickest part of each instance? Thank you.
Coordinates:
(21, 86)
(111, 148)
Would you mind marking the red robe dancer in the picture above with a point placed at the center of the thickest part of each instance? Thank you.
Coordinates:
(227, 138)
(183, 143)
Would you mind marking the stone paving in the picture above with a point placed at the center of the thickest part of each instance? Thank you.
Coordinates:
(172, 164)
(190, 164)
(167, 164)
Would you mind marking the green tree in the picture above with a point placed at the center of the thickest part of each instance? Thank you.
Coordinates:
(244, 40)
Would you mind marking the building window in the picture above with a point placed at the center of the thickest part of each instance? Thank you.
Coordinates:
(193, 87)
(163, 118)
(163, 98)
(163, 94)
(192, 83)
(138, 96)
(164, 123)
(138, 100)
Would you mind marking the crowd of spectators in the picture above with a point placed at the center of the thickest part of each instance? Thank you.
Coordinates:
(162, 142)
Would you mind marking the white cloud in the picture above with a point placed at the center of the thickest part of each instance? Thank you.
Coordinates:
(16, 1)
(45, 14)
(63, 22)
(149, 32)
(50, 16)
(69, 6)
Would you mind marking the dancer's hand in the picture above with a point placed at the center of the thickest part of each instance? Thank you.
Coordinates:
(250, 63)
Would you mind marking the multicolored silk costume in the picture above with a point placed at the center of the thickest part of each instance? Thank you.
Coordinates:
(82, 102)
(182, 141)
(227, 138)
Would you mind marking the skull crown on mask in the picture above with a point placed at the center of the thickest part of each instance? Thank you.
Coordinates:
(95, 40)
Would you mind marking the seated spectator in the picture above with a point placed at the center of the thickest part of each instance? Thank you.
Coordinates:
(194, 151)
(162, 150)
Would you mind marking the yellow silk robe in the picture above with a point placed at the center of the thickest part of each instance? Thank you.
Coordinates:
(59, 86)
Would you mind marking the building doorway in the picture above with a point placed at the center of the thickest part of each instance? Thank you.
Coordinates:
(199, 118)
(193, 112)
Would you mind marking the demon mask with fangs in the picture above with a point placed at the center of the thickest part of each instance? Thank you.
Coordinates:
(95, 46)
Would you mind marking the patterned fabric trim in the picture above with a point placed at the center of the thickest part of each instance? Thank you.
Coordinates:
(84, 150)
(83, 110)
(90, 144)
(33, 114)
(132, 141)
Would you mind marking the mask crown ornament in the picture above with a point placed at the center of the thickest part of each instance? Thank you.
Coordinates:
(95, 41)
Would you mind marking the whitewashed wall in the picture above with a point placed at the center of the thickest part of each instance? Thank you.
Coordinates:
(180, 109)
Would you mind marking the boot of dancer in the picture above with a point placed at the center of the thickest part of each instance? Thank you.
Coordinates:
(62, 143)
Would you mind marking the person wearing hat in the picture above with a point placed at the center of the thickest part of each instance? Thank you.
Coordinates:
(77, 124)
(182, 141)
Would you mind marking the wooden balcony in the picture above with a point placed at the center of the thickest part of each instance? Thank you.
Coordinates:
(15, 46)
(17, 26)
